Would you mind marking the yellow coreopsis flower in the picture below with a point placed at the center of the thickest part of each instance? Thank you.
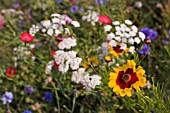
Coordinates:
(116, 51)
(94, 60)
(125, 77)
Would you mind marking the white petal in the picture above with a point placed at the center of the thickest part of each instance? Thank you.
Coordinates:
(128, 22)
(142, 36)
(50, 32)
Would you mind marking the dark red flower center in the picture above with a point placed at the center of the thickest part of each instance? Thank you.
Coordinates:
(117, 49)
(126, 79)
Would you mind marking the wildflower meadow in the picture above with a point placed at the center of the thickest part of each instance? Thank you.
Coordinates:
(84, 56)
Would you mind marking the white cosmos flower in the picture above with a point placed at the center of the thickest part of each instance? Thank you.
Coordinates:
(50, 32)
(67, 43)
(77, 76)
(75, 24)
(111, 35)
(123, 46)
(134, 28)
(46, 23)
(131, 41)
(55, 20)
(91, 81)
(57, 32)
(117, 38)
(128, 22)
(117, 28)
(124, 40)
(64, 60)
(118, 33)
(137, 40)
(142, 36)
(132, 49)
(107, 27)
(56, 15)
(115, 23)
(113, 43)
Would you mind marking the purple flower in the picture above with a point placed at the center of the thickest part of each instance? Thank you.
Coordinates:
(21, 22)
(165, 43)
(27, 111)
(58, 1)
(74, 8)
(7, 97)
(29, 90)
(99, 2)
(169, 32)
(48, 96)
(149, 33)
(15, 5)
(146, 49)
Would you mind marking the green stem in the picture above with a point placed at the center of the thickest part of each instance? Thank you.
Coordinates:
(56, 93)
(74, 102)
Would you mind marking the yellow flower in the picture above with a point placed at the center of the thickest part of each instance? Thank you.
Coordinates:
(93, 60)
(86, 64)
(116, 51)
(125, 77)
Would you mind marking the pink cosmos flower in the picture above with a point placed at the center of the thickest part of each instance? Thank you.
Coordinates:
(104, 19)
(2, 21)
(26, 37)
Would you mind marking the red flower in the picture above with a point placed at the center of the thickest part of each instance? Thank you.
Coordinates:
(52, 53)
(59, 38)
(56, 65)
(73, 1)
(10, 72)
(2, 21)
(104, 19)
(26, 37)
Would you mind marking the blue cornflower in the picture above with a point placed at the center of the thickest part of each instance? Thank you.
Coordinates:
(48, 96)
(27, 111)
(58, 1)
(21, 22)
(149, 33)
(99, 2)
(7, 97)
(29, 90)
(15, 5)
(74, 8)
(146, 49)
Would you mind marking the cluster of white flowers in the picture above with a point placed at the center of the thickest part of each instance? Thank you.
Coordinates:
(89, 81)
(64, 60)
(23, 53)
(126, 34)
(67, 43)
(91, 16)
(12, 12)
(55, 26)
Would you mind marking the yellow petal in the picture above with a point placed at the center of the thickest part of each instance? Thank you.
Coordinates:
(114, 53)
(122, 93)
(113, 76)
(131, 64)
(112, 84)
(125, 67)
(116, 88)
(128, 92)
(136, 85)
